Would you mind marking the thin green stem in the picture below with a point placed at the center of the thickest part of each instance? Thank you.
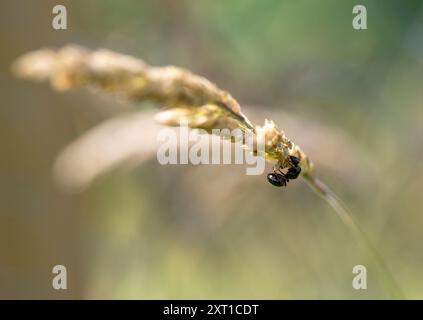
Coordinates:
(347, 218)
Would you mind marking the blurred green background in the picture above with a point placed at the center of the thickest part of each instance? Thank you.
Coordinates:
(351, 99)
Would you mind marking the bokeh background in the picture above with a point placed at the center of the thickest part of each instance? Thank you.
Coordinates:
(351, 99)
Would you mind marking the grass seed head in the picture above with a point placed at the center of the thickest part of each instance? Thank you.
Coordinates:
(183, 95)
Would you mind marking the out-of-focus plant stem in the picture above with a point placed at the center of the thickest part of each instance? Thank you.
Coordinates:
(347, 218)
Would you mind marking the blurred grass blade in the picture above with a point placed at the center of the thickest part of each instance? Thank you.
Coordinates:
(343, 213)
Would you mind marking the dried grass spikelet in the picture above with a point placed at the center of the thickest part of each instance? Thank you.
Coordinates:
(122, 141)
(186, 96)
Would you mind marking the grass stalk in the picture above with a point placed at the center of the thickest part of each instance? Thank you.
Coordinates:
(347, 218)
